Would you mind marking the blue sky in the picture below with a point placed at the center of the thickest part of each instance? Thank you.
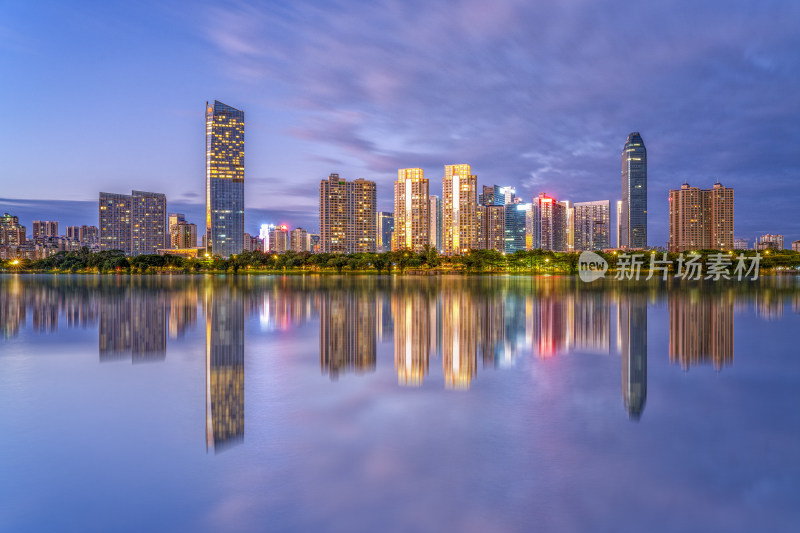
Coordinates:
(105, 96)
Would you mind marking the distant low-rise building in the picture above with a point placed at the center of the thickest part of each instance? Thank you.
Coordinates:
(740, 244)
(770, 242)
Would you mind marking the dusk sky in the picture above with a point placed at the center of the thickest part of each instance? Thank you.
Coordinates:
(539, 95)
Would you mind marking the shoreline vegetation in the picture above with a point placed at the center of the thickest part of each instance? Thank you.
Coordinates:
(428, 262)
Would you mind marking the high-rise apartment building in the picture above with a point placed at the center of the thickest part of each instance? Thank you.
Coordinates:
(796, 246)
(149, 231)
(411, 211)
(435, 210)
(384, 231)
(361, 217)
(299, 240)
(45, 229)
(279, 240)
(347, 215)
(73, 233)
(633, 228)
(459, 209)
(115, 222)
(11, 232)
(89, 236)
(224, 179)
(183, 235)
(592, 225)
(549, 227)
(700, 219)
(135, 224)
(569, 225)
(492, 227)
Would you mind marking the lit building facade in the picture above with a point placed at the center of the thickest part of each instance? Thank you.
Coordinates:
(770, 242)
(115, 222)
(347, 215)
(384, 231)
(224, 179)
(493, 227)
(148, 222)
(45, 229)
(619, 223)
(279, 240)
(518, 227)
(459, 209)
(633, 228)
(592, 225)
(299, 240)
(411, 211)
(701, 219)
(549, 217)
(11, 232)
(435, 210)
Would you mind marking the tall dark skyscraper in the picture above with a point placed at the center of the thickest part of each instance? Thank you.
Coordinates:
(224, 179)
(633, 226)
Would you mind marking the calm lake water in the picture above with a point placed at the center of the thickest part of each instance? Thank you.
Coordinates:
(398, 404)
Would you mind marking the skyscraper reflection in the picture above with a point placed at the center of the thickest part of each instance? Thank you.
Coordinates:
(632, 325)
(347, 332)
(224, 366)
(411, 311)
(459, 337)
(701, 328)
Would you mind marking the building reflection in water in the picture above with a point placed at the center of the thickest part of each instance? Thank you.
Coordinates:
(347, 330)
(224, 308)
(133, 324)
(411, 311)
(459, 337)
(632, 324)
(701, 328)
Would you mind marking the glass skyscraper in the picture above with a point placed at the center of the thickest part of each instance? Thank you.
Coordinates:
(633, 226)
(224, 180)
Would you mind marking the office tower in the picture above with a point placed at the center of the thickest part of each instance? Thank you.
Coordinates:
(411, 211)
(700, 219)
(11, 232)
(569, 225)
(361, 216)
(701, 328)
(486, 197)
(740, 244)
(619, 223)
(548, 223)
(45, 229)
(73, 233)
(224, 179)
(592, 225)
(264, 234)
(633, 228)
(632, 324)
(224, 307)
(493, 227)
(299, 240)
(459, 209)
(115, 222)
(279, 239)
(518, 227)
(89, 236)
(384, 231)
(504, 195)
(435, 211)
(347, 215)
(148, 222)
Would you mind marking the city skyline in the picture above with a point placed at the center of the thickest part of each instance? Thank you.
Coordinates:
(341, 106)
